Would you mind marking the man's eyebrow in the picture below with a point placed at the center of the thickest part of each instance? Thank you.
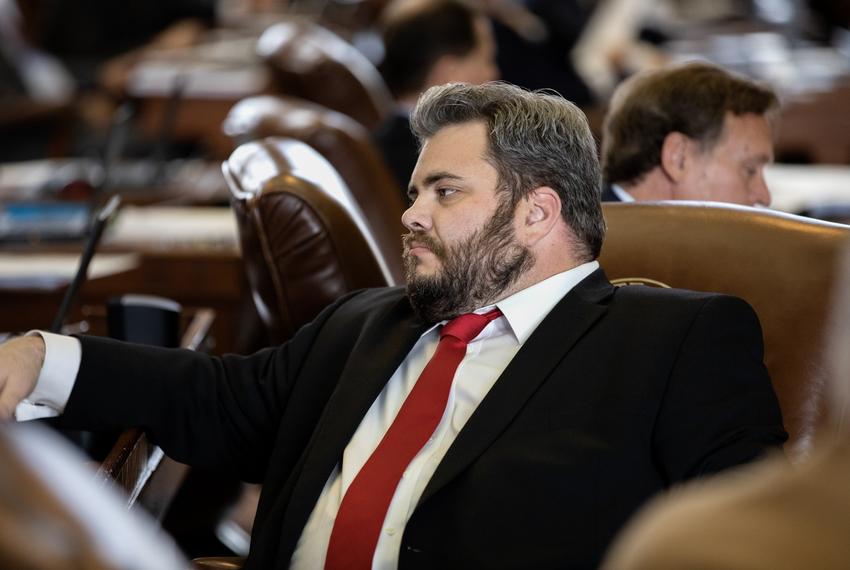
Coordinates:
(438, 176)
(432, 179)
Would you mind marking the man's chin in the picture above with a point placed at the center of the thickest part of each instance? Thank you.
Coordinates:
(422, 267)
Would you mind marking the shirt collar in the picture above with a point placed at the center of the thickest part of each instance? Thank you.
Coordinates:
(621, 193)
(526, 309)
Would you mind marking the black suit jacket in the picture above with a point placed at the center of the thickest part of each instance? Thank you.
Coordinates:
(617, 394)
(608, 194)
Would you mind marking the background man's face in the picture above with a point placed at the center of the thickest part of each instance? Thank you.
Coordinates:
(733, 169)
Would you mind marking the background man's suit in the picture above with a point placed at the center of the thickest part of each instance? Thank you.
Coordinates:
(616, 395)
(608, 194)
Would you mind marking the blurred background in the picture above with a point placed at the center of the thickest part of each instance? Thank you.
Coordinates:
(146, 98)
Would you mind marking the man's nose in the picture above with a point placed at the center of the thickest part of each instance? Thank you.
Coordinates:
(760, 193)
(416, 218)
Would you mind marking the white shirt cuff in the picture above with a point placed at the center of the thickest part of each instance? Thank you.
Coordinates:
(62, 355)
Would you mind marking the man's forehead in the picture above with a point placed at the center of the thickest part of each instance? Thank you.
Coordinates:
(455, 152)
(748, 130)
(456, 144)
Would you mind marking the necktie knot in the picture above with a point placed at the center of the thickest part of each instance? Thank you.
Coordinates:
(467, 327)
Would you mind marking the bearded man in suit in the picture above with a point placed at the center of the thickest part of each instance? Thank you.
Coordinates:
(570, 404)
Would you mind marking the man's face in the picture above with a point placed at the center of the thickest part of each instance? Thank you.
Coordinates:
(733, 169)
(461, 252)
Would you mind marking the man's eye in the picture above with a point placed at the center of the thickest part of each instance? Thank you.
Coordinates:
(445, 192)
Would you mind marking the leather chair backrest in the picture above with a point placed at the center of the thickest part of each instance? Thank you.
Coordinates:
(785, 266)
(304, 239)
(346, 144)
(313, 63)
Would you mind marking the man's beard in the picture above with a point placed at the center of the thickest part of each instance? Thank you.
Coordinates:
(474, 272)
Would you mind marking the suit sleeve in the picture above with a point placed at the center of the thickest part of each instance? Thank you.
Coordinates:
(209, 411)
(719, 409)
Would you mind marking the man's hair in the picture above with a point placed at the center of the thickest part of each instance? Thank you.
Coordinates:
(416, 34)
(534, 139)
(691, 99)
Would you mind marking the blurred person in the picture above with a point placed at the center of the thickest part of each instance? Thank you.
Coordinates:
(688, 132)
(428, 42)
(537, 55)
(770, 516)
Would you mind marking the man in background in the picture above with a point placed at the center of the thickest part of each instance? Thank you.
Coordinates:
(428, 42)
(688, 132)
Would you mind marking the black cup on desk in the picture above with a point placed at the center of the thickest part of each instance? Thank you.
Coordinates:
(144, 319)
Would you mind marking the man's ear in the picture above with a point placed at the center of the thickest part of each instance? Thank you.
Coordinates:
(541, 214)
(674, 155)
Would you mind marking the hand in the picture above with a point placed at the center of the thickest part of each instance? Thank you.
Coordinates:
(20, 364)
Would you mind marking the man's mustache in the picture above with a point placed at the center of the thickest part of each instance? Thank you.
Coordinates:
(423, 240)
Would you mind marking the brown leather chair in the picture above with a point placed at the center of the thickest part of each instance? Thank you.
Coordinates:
(345, 143)
(313, 63)
(783, 265)
(305, 241)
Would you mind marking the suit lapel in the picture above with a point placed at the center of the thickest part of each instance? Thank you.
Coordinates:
(545, 348)
(375, 357)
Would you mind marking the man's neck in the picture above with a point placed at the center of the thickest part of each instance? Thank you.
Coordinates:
(654, 185)
(539, 272)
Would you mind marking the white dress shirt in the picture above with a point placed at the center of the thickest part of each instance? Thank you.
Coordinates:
(486, 357)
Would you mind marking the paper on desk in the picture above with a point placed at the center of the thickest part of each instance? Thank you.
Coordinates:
(189, 227)
(49, 271)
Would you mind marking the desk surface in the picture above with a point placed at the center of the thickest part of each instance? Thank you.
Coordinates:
(190, 255)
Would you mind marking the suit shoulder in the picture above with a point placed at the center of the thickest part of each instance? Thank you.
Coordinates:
(663, 297)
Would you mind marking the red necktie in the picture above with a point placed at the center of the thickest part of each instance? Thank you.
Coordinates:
(364, 507)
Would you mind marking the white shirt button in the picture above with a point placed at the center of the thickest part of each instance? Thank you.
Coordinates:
(390, 530)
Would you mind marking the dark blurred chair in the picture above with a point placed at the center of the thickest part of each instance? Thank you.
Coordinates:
(313, 63)
(305, 240)
(783, 265)
(345, 144)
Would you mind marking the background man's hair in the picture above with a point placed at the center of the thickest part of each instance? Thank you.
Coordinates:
(416, 34)
(535, 139)
(691, 99)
